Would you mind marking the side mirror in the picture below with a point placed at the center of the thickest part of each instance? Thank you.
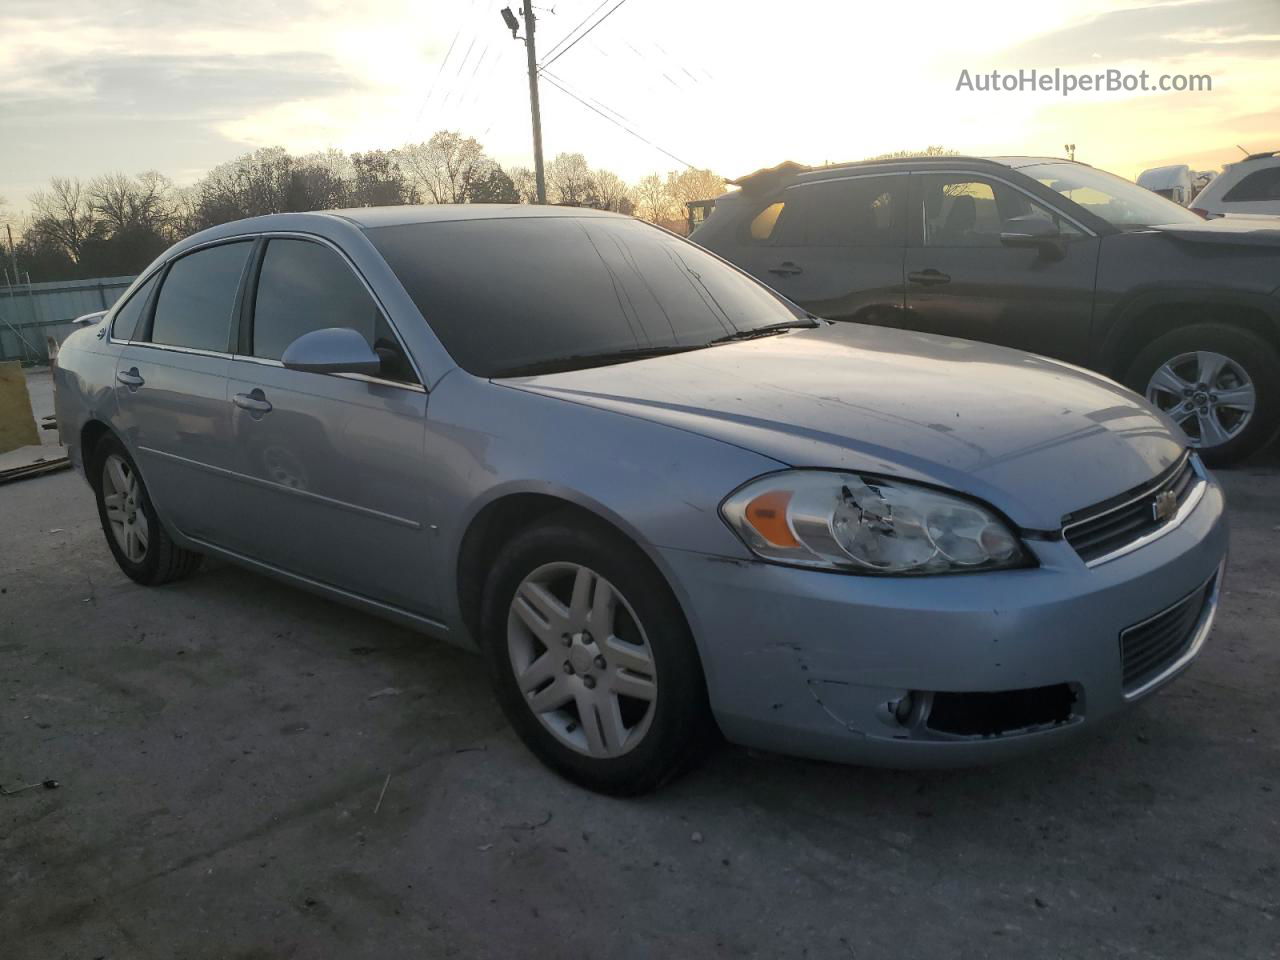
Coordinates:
(332, 350)
(1029, 231)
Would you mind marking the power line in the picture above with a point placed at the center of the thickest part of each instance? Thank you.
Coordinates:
(553, 81)
(566, 37)
(583, 34)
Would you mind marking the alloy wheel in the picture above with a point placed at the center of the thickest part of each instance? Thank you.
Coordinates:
(122, 497)
(582, 660)
(1207, 394)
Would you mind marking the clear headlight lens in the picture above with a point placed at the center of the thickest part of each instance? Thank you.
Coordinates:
(863, 524)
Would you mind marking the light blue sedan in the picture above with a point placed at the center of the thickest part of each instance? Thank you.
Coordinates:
(663, 501)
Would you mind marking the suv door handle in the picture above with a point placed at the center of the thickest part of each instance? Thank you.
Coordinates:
(255, 401)
(787, 269)
(130, 378)
(928, 277)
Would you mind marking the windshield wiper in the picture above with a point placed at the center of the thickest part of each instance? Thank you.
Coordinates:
(578, 361)
(807, 323)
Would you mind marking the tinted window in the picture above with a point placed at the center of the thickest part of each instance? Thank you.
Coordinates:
(127, 317)
(1259, 185)
(306, 286)
(763, 223)
(196, 300)
(506, 294)
(965, 211)
(861, 212)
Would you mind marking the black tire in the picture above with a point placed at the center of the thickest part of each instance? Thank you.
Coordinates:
(680, 729)
(1254, 355)
(164, 561)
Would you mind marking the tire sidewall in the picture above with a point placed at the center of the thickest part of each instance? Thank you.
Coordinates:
(677, 728)
(1252, 353)
(148, 570)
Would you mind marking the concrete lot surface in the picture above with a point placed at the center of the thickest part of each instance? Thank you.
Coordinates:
(223, 745)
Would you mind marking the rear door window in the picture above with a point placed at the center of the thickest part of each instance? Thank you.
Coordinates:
(852, 212)
(126, 320)
(197, 298)
(306, 286)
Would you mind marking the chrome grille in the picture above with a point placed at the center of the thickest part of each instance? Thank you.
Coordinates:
(1149, 648)
(1110, 527)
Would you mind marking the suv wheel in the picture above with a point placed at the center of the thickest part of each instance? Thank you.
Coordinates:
(1220, 384)
(138, 540)
(592, 660)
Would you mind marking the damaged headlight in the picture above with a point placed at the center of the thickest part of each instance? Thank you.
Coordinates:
(870, 525)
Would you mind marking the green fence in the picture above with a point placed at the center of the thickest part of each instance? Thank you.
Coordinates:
(31, 313)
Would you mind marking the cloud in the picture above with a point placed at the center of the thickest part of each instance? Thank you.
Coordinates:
(1157, 31)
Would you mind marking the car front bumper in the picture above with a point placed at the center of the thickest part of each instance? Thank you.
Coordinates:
(849, 668)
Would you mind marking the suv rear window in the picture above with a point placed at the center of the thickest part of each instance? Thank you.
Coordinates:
(505, 294)
(1260, 185)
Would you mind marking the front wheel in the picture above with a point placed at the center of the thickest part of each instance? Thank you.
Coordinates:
(1219, 384)
(592, 660)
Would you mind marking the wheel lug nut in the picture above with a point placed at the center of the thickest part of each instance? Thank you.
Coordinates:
(589, 681)
(566, 640)
(568, 667)
(600, 663)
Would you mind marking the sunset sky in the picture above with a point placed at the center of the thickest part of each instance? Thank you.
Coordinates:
(90, 87)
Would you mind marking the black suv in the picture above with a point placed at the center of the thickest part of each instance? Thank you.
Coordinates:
(1045, 255)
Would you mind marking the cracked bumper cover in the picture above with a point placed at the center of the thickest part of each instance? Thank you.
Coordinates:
(805, 662)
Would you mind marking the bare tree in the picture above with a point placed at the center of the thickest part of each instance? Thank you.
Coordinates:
(125, 203)
(610, 192)
(930, 151)
(689, 185)
(569, 180)
(652, 199)
(525, 183)
(442, 167)
(64, 215)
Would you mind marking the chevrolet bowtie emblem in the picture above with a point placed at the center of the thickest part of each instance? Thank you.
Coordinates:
(1164, 506)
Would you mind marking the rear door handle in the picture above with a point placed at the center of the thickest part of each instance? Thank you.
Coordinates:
(929, 277)
(787, 269)
(130, 378)
(255, 401)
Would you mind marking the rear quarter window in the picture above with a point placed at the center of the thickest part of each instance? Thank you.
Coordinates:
(1259, 186)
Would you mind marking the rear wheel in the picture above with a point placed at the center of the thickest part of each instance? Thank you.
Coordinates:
(1220, 384)
(137, 539)
(592, 660)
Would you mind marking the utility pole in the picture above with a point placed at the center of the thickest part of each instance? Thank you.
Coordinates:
(13, 252)
(513, 25)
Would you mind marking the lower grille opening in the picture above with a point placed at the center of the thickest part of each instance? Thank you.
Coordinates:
(993, 714)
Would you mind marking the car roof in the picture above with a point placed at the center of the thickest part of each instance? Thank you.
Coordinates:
(769, 177)
(370, 217)
(363, 218)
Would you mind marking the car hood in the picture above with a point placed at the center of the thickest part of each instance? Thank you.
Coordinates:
(1236, 231)
(1034, 437)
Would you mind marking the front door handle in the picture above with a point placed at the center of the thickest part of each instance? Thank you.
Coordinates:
(130, 378)
(929, 277)
(255, 401)
(787, 269)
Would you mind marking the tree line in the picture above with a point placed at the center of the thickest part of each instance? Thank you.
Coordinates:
(116, 224)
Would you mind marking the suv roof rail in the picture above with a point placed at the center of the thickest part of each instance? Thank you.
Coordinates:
(1264, 155)
(767, 178)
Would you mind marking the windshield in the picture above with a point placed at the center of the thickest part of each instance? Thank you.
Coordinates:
(1122, 204)
(511, 296)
